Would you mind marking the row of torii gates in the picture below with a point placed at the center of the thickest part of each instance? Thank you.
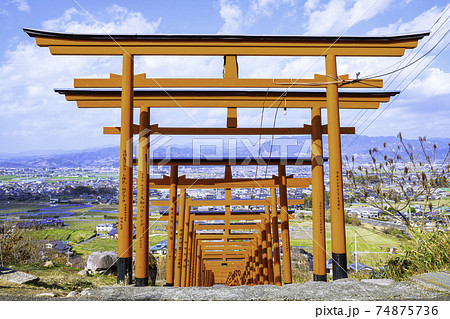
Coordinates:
(231, 247)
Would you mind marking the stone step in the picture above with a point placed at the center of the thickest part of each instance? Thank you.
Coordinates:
(17, 277)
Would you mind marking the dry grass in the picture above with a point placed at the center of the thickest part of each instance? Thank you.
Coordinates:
(59, 280)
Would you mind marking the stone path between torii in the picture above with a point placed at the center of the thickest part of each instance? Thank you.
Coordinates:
(343, 289)
(429, 286)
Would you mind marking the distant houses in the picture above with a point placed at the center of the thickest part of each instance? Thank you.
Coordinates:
(114, 233)
(55, 201)
(160, 248)
(364, 212)
(38, 224)
(104, 227)
(58, 246)
(34, 224)
(52, 222)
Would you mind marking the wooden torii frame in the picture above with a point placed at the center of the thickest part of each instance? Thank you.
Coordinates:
(270, 217)
(276, 182)
(370, 100)
(129, 46)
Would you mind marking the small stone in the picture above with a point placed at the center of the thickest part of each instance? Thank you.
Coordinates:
(86, 272)
(46, 294)
(72, 294)
(381, 282)
(48, 264)
(85, 292)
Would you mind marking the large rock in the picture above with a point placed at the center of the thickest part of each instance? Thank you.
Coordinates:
(105, 261)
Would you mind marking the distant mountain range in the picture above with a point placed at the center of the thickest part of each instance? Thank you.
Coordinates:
(295, 146)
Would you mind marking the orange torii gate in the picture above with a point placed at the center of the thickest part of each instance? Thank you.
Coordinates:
(269, 271)
(229, 252)
(210, 223)
(228, 216)
(226, 183)
(298, 99)
(129, 46)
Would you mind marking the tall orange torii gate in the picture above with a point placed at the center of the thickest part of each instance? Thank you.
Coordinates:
(129, 46)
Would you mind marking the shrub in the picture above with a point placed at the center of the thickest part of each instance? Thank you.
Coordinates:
(352, 220)
(300, 268)
(429, 252)
(17, 247)
(161, 266)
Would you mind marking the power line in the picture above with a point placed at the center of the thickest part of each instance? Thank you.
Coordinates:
(408, 65)
(395, 98)
(416, 52)
(400, 69)
(325, 51)
(423, 46)
(409, 58)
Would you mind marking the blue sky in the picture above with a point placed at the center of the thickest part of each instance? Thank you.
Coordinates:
(33, 117)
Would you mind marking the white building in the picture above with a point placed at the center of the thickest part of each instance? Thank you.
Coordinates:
(365, 212)
(104, 227)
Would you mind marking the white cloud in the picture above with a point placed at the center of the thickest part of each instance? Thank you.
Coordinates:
(28, 74)
(435, 21)
(22, 5)
(121, 21)
(337, 16)
(435, 82)
(266, 7)
(237, 20)
(422, 22)
(310, 5)
(422, 121)
(231, 13)
(180, 66)
(280, 67)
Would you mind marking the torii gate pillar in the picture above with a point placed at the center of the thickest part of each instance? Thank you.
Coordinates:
(339, 254)
(318, 205)
(125, 231)
(142, 249)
